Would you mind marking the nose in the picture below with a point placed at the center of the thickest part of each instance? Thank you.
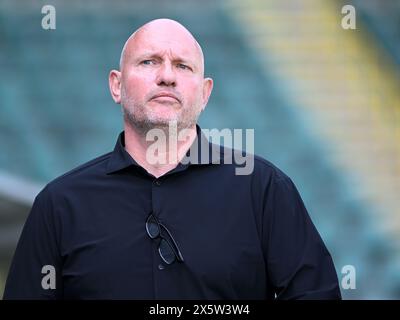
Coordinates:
(166, 75)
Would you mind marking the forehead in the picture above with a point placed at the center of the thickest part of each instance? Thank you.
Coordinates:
(163, 40)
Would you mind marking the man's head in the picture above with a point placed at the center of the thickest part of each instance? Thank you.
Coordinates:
(161, 77)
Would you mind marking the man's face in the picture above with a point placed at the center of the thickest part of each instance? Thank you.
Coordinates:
(162, 78)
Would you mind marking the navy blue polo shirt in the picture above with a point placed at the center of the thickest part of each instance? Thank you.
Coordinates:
(241, 236)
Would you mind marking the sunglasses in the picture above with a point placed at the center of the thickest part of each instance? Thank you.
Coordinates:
(168, 251)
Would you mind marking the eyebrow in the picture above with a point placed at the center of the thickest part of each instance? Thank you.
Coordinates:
(159, 56)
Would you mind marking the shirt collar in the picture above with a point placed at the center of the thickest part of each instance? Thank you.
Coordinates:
(201, 152)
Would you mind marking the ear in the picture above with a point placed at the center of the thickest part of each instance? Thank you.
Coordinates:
(207, 88)
(114, 81)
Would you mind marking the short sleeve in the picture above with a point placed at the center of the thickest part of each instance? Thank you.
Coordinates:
(35, 271)
(299, 265)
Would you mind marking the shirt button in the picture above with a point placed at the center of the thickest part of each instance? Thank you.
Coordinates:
(161, 267)
(158, 183)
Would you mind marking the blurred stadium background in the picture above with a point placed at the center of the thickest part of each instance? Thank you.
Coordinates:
(324, 103)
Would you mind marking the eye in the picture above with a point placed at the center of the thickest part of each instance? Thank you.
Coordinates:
(147, 62)
(183, 66)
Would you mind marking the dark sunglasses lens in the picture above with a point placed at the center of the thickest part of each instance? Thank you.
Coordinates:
(166, 252)
(153, 229)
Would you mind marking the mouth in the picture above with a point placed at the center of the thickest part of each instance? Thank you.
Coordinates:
(164, 96)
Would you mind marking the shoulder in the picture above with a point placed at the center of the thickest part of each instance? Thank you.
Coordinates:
(85, 172)
(252, 165)
(264, 167)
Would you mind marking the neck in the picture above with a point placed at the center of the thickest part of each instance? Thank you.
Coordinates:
(162, 149)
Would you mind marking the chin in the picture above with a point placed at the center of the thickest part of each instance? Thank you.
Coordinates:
(163, 119)
(164, 122)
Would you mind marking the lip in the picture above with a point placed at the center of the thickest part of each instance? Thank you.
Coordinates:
(165, 95)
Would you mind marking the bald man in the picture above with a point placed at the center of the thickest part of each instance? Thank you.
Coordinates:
(124, 226)
(161, 81)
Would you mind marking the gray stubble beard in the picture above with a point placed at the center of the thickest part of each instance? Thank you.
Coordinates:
(143, 125)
